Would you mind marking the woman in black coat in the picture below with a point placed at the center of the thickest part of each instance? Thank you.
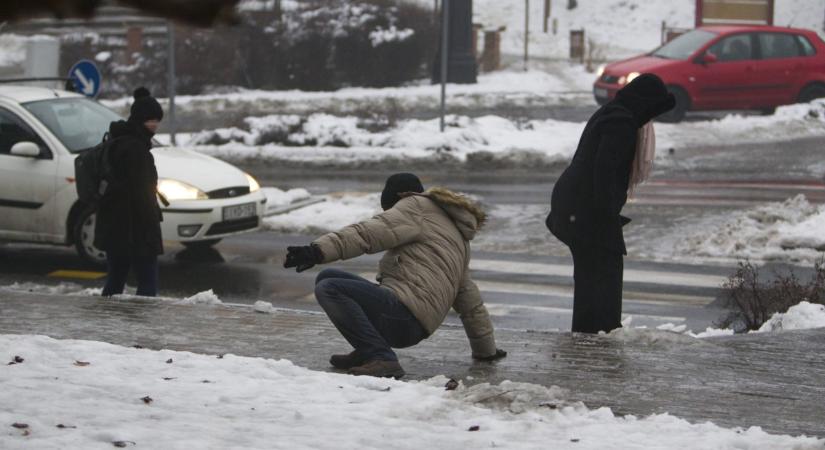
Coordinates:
(128, 217)
(589, 196)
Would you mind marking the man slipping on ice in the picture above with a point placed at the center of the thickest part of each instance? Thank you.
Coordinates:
(424, 272)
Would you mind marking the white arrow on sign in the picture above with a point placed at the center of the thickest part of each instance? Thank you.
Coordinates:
(88, 86)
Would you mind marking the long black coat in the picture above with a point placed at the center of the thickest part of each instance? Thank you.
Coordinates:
(128, 218)
(589, 196)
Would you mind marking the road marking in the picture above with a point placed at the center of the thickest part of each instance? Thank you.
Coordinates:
(553, 290)
(567, 292)
(630, 275)
(504, 309)
(77, 274)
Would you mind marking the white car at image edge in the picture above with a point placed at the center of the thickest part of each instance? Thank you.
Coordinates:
(42, 131)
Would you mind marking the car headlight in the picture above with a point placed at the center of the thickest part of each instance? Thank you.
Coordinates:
(178, 190)
(253, 183)
(629, 77)
(600, 70)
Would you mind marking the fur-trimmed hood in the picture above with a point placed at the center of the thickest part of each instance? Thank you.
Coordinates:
(467, 214)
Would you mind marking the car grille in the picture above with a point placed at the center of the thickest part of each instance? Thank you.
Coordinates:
(229, 192)
(231, 226)
(611, 79)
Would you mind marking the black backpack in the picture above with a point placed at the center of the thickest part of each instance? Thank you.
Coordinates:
(93, 172)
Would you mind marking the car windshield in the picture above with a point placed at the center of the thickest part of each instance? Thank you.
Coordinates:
(79, 123)
(685, 45)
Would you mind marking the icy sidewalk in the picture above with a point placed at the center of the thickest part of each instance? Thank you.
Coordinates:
(775, 380)
(179, 399)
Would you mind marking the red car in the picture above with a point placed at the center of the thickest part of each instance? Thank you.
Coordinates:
(728, 67)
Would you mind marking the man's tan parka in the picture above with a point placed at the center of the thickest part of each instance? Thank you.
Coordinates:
(427, 238)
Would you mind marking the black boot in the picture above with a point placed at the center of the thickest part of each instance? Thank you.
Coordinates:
(346, 362)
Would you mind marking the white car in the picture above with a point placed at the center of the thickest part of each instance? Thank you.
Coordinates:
(42, 131)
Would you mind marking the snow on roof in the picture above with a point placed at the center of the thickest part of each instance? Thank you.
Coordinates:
(22, 94)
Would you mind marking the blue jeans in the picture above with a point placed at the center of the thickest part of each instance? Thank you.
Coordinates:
(369, 316)
(118, 265)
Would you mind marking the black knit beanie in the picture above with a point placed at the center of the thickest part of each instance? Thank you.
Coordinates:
(399, 184)
(145, 107)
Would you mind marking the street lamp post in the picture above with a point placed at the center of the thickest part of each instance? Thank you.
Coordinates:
(445, 33)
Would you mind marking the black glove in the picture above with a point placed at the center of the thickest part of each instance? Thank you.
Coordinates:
(303, 258)
(498, 355)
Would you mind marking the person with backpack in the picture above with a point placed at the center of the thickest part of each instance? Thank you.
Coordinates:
(128, 215)
(615, 154)
(424, 272)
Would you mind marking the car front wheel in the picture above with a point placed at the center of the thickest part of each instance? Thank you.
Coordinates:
(811, 92)
(678, 112)
(84, 239)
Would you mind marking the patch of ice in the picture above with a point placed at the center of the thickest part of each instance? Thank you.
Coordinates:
(53, 289)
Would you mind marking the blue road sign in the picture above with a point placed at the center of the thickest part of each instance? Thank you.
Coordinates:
(86, 77)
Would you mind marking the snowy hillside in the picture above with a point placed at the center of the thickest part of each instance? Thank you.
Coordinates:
(620, 28)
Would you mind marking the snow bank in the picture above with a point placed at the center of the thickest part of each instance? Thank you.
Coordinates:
(798, 317)
(566, 84)
(790, 231)
(336, 212)
(327, 139)
(13, 48)
(168, 399)
(802, 316)
(276, 197)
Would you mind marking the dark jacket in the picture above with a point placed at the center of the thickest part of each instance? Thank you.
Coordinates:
(589, 196)
(590, 193)
(128, 218)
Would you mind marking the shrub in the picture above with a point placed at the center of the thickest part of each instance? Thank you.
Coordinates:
(753, 301)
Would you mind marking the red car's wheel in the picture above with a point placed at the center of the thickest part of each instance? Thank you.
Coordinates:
(682, 105)
(811, 92)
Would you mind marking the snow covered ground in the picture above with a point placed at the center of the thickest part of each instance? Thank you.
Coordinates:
(342, 141)
(560, 83)
(85, 394)
(619, 28)
(786, 231)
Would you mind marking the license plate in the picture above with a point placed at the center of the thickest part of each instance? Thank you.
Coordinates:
(239, 211)
(600, 92)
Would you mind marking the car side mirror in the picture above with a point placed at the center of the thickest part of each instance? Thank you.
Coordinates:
(708, 58)
(26, 148)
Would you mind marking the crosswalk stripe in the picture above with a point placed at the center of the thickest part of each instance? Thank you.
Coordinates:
(630, 275)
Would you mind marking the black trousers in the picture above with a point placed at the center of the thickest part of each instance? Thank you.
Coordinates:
(597, 296)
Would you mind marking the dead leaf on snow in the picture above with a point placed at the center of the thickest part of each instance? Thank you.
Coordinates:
(451, 385)
(61, 426)
(81, 363)
(474, 428)
(169, 361)
(20, 426)
(121, 444)
(147, 399)
(168, 378)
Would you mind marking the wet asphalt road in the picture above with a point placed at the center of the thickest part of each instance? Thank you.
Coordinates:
(697, 182)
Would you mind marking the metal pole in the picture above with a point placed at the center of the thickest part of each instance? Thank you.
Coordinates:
(526, 33)
(170, 85)
(445, 36)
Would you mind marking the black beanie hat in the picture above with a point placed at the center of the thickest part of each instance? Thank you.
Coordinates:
(647, 97)
(399, 184)
(145, 107)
